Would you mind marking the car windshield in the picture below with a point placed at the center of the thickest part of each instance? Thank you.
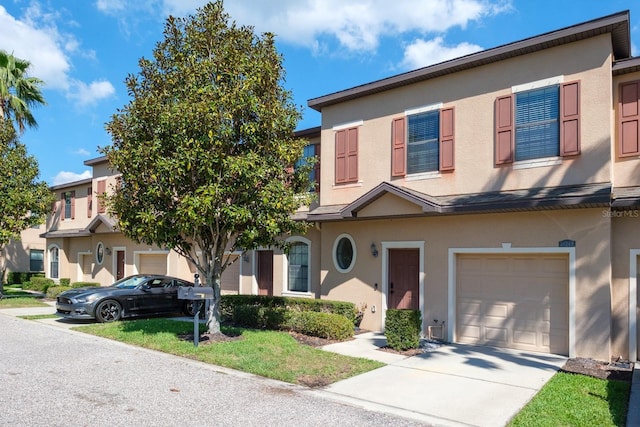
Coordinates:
(130, 282)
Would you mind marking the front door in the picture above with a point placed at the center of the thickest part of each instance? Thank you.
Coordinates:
(119, 265)
(265, 273)
(404, 272)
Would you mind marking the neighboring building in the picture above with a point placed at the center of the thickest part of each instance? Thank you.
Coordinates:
(25, 255)
(496, 192)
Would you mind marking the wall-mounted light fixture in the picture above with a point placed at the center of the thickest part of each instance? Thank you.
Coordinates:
(108, 251)
(374, 250)
(245, 257)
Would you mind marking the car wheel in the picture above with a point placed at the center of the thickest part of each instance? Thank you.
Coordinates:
(190, 311)
(108, 311)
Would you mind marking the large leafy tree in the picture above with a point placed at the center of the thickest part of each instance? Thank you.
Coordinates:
(24, 200)
(18, 92)
(206, 147)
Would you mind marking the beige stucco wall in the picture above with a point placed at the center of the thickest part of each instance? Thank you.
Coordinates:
(588, 227)
(626, 170)
(473, 93)
(16, 253)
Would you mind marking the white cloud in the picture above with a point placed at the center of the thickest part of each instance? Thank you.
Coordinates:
(64, 177)
(88, 94)
(421, 53)
(82, 152)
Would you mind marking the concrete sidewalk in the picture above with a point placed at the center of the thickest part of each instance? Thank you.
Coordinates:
(451, 385)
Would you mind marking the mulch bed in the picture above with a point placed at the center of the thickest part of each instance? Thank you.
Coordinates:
(614, 370)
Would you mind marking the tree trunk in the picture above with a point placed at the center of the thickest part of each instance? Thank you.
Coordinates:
(213, 316)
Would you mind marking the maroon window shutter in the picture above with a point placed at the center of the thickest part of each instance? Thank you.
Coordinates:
(570, 119)
(352, 155)
(63, 203)
(89, 201)
(398, 147)
(102, 188)
(504, 130)
(447, 146)
(341, 156)
(629, 119)
(73, 205)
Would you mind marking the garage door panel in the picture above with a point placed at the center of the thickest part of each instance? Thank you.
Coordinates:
(153, 264)
(514, 301)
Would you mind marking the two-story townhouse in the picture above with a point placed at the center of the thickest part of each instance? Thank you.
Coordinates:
(84, 243)
(497, 193)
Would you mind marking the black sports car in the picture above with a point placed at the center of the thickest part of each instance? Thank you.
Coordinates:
(138, 295)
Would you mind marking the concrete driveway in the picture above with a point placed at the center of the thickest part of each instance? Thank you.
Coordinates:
(452, 385)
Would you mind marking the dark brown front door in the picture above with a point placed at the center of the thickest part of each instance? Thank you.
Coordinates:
(119, 265)
(404, 270)
(265, 273)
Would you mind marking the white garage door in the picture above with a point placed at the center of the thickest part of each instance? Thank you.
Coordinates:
(153, 264)
(514, 301)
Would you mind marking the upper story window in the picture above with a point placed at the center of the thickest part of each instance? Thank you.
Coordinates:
(102, 188)
(537, 121)
(423, 141)
(347, 153)
(69, 204)
(89, 202)
(310, 152)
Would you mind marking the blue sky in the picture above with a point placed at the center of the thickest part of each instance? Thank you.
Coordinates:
(84, 49)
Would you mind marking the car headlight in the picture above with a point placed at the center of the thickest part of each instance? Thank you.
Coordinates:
(84, 299)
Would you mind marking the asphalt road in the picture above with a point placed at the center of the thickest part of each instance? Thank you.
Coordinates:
(51, 376)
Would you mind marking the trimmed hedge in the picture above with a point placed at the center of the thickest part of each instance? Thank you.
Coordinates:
(39, 284)
(65, 282)
(229, 302)
(323, 325)
(402, 329)
(85, 285)
(54, 291)
(19, 277)
(320, 318)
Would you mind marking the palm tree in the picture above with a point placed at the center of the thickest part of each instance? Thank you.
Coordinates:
(18, 93)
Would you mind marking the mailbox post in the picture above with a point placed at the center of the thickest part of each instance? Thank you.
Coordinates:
(197, 294)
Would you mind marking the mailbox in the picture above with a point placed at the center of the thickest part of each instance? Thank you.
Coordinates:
(199, 293)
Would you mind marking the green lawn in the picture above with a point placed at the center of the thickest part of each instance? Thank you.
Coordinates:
(21, 301)
(576, 400)
(270, 354)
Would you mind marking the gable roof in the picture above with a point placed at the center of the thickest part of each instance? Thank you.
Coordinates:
(90, 229)
(617, 25)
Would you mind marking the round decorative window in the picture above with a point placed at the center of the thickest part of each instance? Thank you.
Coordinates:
(100, 253)
(344, 253)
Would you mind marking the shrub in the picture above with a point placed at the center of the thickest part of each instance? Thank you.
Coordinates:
(256, 317)
(65, 282)
(85, 284)
(19, 277)
(54, 291)
(402, 329)
(39, 284)
(323, 325)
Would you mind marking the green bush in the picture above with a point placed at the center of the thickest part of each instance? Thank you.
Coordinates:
(323, 325)
(19, 277)
(54, 291)
(256, 317)
(85, 284)
(39, 284)
(402, 329)
(229, 302)
(65, 282)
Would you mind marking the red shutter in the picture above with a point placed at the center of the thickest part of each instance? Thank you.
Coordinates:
(63, 203)
(341, 156)
(73, 205)
(504, 130)
(570, 119)
(352, 155)
(89, 201)
(102, 188)
(398, 147)
(629, 119)
(447, 146)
